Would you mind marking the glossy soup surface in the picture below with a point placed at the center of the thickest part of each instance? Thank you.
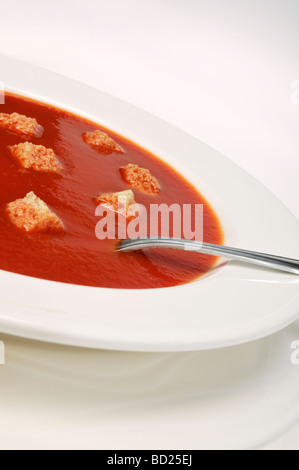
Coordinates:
(77, 256)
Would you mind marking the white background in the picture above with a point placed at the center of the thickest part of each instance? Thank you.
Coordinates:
(220, 69)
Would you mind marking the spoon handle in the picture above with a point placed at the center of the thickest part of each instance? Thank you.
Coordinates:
(269, 261)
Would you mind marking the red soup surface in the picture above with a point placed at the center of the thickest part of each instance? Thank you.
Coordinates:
(76, 256)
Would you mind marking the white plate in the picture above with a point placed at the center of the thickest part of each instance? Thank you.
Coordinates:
(57, 397)
(233, 305)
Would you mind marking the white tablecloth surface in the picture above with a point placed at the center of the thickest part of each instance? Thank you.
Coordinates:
(221, 70)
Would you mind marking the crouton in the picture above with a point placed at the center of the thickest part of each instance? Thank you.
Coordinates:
(101, 141)
(118, 202)
(20, 124)
(31, 214)
(37, 157)
(140, 178)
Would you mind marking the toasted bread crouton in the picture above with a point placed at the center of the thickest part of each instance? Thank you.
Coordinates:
(31, 214)
(20, 124)
(37, 157)
(102, 141)
(118, 202)
(140, 178)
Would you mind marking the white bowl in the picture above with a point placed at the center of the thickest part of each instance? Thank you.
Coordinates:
(235, 304)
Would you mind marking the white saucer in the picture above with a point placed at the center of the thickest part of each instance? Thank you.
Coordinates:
(233, 305)
(57, 397)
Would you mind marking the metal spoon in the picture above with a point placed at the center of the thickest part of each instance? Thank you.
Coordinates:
(269, 261)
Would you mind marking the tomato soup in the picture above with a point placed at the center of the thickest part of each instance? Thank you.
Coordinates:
(75, 255)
